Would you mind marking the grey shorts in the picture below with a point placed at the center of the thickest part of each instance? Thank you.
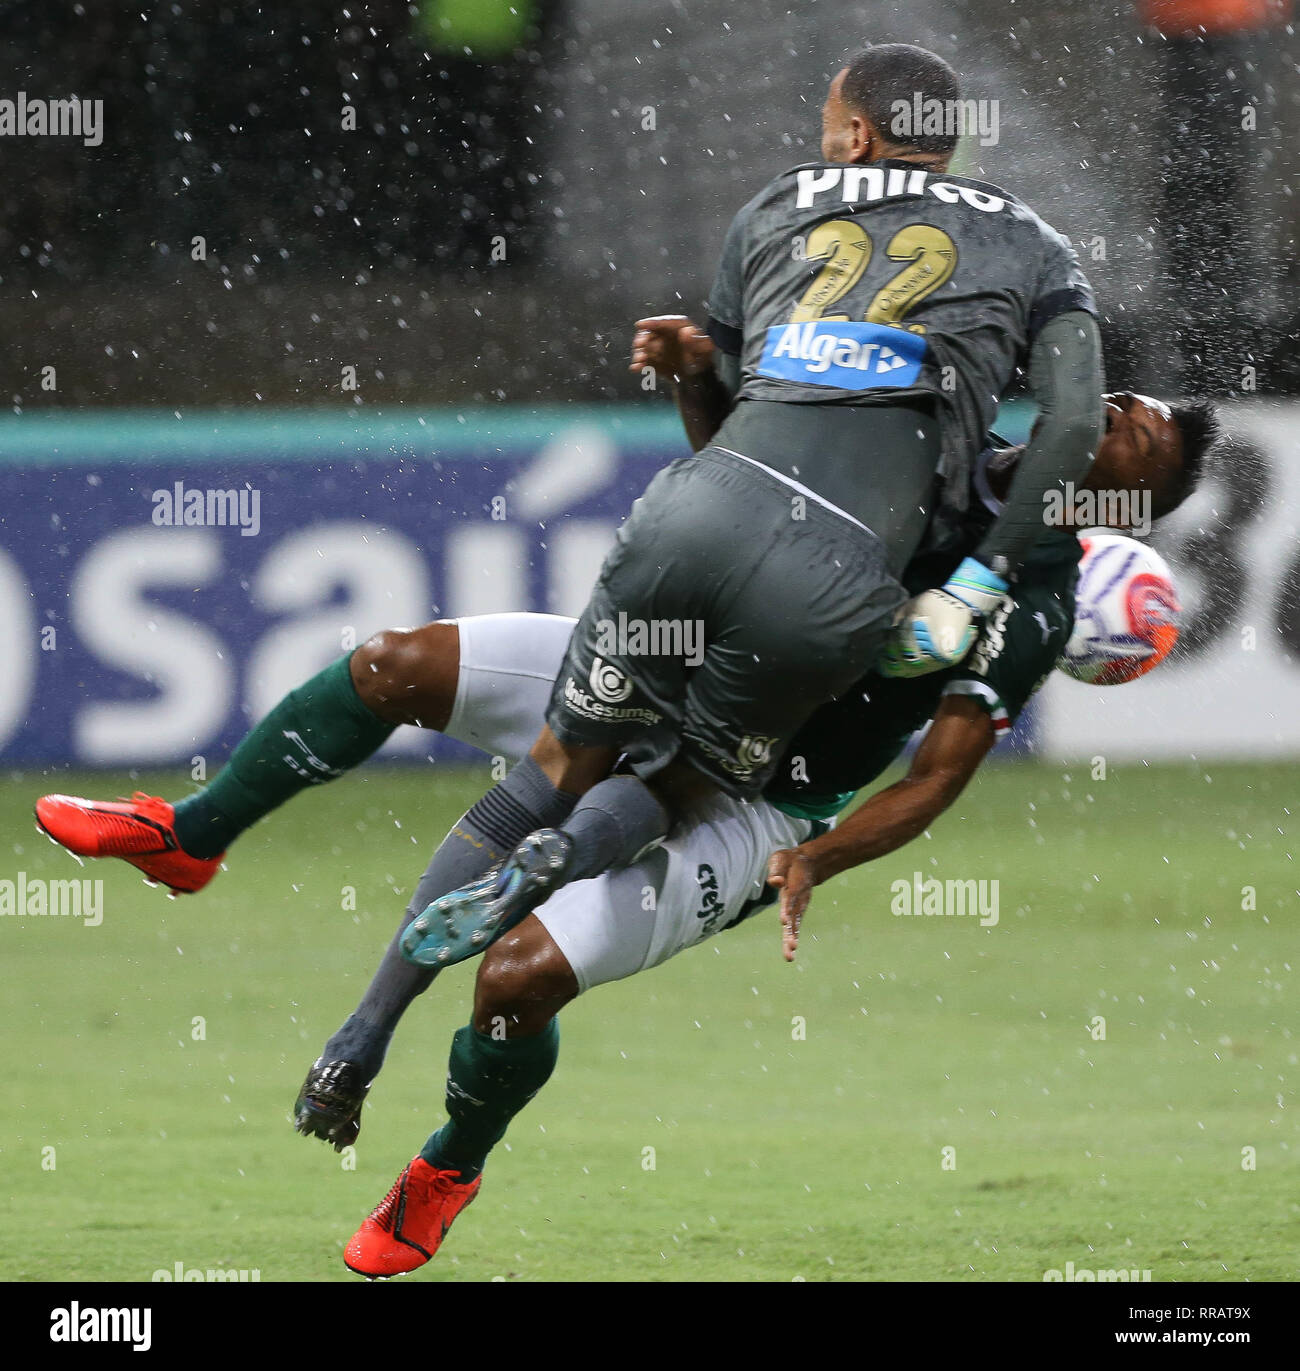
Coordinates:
(728, 610)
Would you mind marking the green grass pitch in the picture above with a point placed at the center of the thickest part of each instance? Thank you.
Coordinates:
(692, 1131)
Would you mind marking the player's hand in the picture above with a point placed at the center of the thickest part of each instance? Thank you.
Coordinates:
(791, 872)
(672, 346)
(937, 628)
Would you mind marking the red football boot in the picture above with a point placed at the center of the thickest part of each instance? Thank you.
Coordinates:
(140, 831)
(408, 1225)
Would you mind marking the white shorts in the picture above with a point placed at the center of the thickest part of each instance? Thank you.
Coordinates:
(704, 878)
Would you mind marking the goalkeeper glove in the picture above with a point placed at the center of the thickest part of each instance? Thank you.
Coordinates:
(936, 629)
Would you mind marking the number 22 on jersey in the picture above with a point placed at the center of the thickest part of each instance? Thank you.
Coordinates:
(846, 248)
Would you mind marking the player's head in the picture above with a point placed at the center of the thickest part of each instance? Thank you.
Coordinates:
(869, 109)
(1152, 446)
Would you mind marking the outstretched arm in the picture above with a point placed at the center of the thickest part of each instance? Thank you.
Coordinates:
(1065, 376)
(938, 627)
(958, 741)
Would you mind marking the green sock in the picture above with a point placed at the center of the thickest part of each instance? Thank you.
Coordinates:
(314, 734)
(488, 1083)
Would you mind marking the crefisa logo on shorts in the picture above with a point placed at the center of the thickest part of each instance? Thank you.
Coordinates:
(608, 683)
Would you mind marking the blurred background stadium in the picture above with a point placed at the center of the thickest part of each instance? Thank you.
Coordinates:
(377, 264)
(609, 143)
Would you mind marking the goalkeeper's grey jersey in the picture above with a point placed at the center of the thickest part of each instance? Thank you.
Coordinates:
(879, 284)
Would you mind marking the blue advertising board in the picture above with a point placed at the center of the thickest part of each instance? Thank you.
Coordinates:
(165, 579)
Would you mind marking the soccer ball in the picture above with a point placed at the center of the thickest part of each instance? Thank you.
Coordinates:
(1126, 612)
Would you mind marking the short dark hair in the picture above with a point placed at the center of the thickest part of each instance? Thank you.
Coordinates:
(882, 75)
(1198, 424)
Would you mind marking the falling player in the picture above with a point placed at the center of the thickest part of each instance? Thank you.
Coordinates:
(489, 679)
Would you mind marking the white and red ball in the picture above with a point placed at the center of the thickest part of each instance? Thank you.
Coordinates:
(1126, 612)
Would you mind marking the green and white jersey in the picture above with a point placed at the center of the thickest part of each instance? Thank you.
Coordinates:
(848, 743)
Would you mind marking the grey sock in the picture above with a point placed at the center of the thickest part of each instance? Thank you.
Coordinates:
(611, 824)
(492, 828)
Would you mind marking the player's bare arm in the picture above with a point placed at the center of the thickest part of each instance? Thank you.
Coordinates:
(671, 345)
(957, 742)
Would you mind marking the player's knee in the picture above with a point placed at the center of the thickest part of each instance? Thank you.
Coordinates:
(396, 674)
(379, 665)
(523, 982)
